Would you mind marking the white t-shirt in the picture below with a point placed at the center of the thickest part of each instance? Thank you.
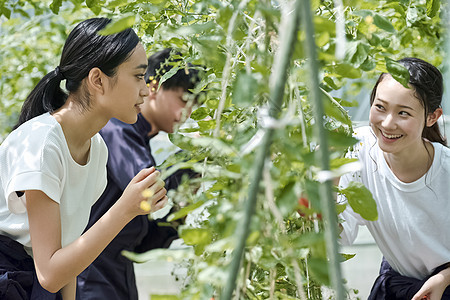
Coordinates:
(35, 156)
(413, 226)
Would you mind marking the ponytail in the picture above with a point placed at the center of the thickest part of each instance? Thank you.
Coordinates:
(83, 50)
(433, 134)
(47, 96)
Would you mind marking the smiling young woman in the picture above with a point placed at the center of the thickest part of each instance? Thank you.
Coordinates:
(406, 167)
(397, 119)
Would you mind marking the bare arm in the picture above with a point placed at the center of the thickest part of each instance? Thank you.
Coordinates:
(57, 266)
(68, 292)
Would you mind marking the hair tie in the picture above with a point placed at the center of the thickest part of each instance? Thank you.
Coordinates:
(59, 74)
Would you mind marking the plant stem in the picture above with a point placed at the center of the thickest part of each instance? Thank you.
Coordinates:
(278, 81)
(445, 7)
(227, 68)
(279, 218)
(322, 156)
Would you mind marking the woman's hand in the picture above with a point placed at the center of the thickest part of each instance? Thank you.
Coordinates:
(146, 186)
(154, 201)
(434, 287)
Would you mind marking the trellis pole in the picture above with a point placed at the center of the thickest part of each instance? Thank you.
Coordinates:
(446, 24)
(288, 38)
(322, 156)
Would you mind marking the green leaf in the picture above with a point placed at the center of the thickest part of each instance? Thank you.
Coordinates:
(385, 42)
(217, 146)
(398, 7)
(94, 6)
(319, 270)
(374, 39)
(56, 4)
(380, 21)
(341, 140)
(345, 70)
(245, 89)
(340, 208)
(322, 39)
(214, 171)
(183, 212)
(168, 75)
(324, 24)
(363, 13)
(361, 200)
(308, 239)
(433, 7)
(312, 191)
(357, 53)
(346, 257)
(330, 82)
(200, 113)
(398, 71)
(335, 110)
(118, 26)
(5, 11)
(368, 65)
(197, 28)
(181, 141)
(383, 23)
(197, 237)
(339, 162)
(159, 255)
(174, 168)
(287, 200)
(118, 3)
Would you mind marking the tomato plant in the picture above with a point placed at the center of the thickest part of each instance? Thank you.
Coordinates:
(285, 254)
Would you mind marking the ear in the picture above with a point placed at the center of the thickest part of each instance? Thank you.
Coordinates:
(96, 80)
(433, 117)
(152, 89)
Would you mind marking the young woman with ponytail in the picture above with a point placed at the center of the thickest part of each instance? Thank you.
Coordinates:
(53, 165)
(406, 166)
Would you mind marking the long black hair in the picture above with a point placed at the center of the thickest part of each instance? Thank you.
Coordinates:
(83, 50)
(428, 86)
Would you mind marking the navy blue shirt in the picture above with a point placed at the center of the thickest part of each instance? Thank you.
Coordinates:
(111, 276)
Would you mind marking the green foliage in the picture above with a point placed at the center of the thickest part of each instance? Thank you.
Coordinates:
(236, 41)
(31, 42)
(118, 25)
(433, 7)
(361, 201)
(398, 71)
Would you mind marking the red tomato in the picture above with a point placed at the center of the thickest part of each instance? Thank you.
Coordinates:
(303, 204)
(305, 210)
(302, 201)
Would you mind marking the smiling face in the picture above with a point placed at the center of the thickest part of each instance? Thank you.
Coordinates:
(165, 108)
(397, 117)
(127, 89)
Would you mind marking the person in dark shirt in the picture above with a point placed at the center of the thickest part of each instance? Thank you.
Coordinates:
(111, 276)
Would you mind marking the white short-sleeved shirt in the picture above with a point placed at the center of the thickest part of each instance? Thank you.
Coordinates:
(35, 156)
(413, 226)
